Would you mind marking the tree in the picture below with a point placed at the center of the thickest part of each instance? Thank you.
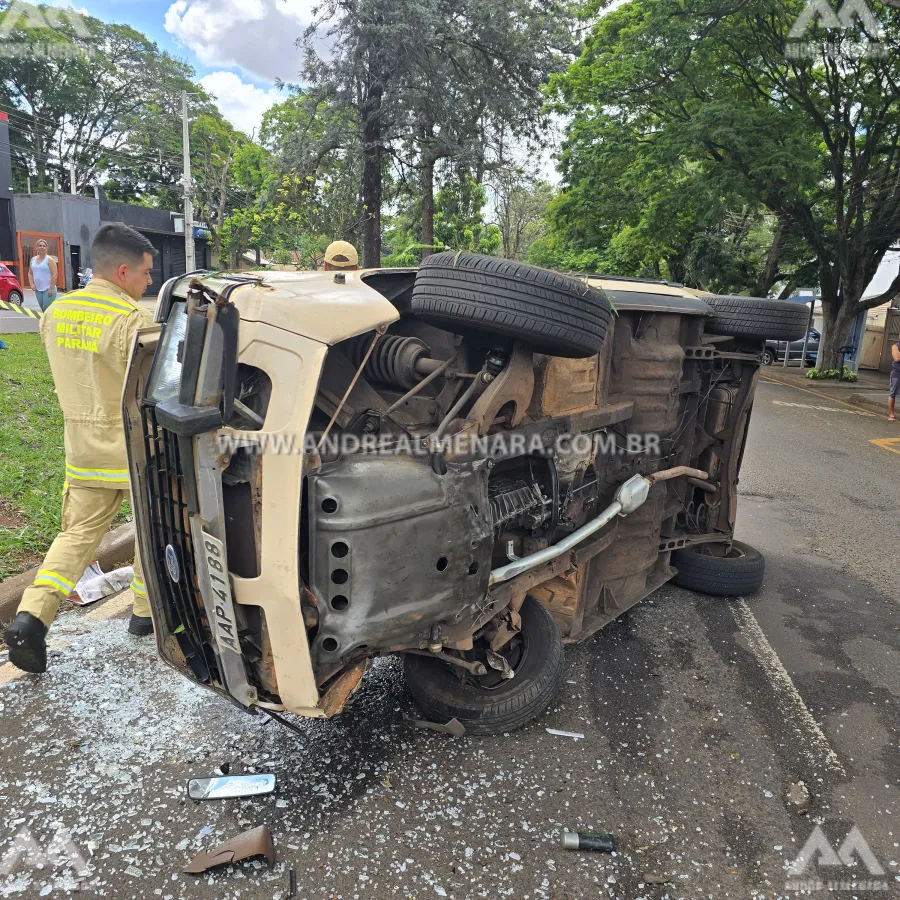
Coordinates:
(459, 221)
(78, 89)
(800, 115)
(316, 158)
(218, 152)
(429, 80)
(521, 203)
(249, 224)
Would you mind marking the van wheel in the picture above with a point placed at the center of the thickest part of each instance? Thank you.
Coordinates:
(739, 572)
(490, 704)
(756, 318)
(467, 293)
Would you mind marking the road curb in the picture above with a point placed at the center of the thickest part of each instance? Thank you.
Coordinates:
(116, 549)
(869, 404)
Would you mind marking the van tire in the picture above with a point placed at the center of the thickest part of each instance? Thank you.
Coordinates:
(739, 573)
(757, 319)
(441, 694)
(467, 293)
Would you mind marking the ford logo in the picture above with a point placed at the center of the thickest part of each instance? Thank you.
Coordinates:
(172, 563)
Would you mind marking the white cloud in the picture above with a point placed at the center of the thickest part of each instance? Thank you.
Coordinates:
(258, 36)
(241, 103)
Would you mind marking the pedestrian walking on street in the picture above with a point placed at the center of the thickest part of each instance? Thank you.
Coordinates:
(894, 391)
(88, 338)
(42, 274)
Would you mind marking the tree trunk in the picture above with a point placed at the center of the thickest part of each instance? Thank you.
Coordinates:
(426, 186)
(677, 269)
(371, 178)
(770, 270)
(837, 320)
(371, 196)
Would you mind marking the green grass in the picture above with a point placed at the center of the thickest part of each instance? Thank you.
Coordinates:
(32, 455)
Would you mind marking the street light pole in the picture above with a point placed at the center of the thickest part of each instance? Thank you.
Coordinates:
(189, 261)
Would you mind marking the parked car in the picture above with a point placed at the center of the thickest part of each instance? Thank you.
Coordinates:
(774, 350)
(10, 289)
(469, 465)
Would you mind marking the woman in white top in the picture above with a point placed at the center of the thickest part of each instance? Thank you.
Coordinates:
(42, 276)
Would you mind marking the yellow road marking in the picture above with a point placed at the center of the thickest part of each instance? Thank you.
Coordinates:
(818, 394)
(885, 444)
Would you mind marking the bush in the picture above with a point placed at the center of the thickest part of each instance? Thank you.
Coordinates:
(832, 374)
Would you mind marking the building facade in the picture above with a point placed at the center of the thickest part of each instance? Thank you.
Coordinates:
(68, 222)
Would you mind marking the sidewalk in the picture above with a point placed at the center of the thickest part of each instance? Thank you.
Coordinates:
(870, 392)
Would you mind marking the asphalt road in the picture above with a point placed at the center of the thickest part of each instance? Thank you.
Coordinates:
(14, 322)
(697, 714)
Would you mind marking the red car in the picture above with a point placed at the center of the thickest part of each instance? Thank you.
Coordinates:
(10, 289)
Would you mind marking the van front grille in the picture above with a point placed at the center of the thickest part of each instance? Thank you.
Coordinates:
(170, 534)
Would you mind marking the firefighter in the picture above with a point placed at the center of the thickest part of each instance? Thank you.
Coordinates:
(88, 335)
(341, 256)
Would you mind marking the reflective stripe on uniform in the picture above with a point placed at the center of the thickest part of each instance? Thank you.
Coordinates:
(138, 587)
(124, 305)
(74, 301)
(114, 476)
(52, 579)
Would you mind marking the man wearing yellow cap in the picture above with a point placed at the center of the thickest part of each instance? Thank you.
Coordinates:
(341, 256)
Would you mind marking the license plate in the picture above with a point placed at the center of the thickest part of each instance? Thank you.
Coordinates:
(223, 624)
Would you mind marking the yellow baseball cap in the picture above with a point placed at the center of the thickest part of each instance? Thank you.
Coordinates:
(341, 255)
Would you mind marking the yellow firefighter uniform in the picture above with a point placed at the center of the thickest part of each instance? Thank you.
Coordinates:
(88, 335)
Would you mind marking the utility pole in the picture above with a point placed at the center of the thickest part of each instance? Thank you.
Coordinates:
(189, 261)
(73, 189)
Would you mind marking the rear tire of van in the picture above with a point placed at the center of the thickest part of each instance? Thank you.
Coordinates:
(444, 692)
(736, 574)
(471, 294)
(757, 319)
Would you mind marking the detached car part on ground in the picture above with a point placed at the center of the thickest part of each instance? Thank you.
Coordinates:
(561, 460)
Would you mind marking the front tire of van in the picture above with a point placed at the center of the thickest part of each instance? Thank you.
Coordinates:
(492, 705)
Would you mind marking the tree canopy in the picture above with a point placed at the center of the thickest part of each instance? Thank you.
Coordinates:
(753, 106)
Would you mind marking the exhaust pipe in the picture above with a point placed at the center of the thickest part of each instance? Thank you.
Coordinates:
(629, 497)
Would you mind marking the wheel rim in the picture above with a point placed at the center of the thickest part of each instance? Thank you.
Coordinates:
(515, 653)
(734, 552)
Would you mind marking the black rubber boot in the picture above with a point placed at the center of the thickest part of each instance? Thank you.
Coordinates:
(26, 639)
(140, 626)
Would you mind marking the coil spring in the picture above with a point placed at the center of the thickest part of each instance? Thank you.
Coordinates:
(393, 361)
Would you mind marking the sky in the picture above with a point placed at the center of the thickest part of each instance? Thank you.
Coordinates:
(239, 48)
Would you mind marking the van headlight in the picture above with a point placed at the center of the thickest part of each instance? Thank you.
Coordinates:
(165, 379)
